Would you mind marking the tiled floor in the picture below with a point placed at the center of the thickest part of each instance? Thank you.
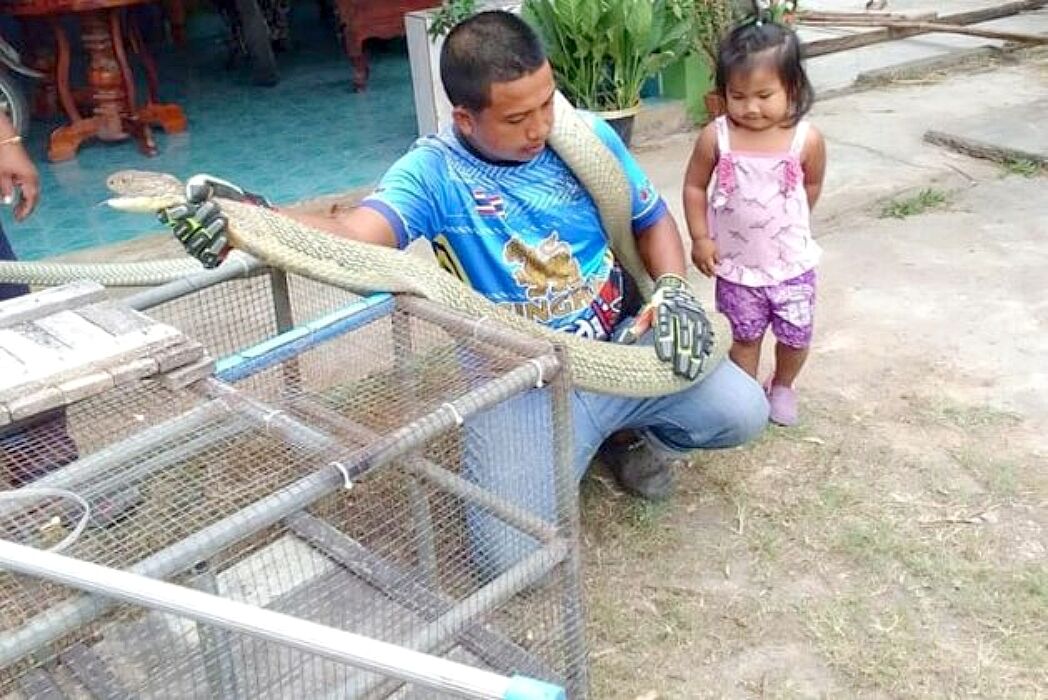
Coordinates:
(308, 136)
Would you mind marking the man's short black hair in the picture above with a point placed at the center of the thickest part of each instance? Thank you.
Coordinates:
(489, 47)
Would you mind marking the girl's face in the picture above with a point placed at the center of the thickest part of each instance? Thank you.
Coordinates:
(757, 99)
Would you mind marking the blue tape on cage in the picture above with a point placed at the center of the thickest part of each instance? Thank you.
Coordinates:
(524, 688)
(297, 340)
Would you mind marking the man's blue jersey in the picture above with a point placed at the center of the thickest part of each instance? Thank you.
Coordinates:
(526, 235)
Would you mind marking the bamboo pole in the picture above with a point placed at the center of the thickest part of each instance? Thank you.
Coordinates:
(934, 27)
(819, 15)
(820, 47)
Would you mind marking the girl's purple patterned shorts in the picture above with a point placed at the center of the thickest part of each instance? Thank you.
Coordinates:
(787, 306)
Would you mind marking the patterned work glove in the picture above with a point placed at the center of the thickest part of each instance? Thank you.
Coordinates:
(199, 224)
(683, 333)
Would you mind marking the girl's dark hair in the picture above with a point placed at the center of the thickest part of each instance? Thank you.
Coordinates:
(739, 52)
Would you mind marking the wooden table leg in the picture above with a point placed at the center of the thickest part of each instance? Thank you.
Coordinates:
(65, 140)
(130, 121)
(111, 84)
(169, 117)
(353, 46)
(360, 70)
(176, 16)
(104, 75)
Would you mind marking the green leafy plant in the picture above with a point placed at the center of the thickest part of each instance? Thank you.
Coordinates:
(1024, 167)
(450, 13)
(919, 203)
(602, 51)
(713, 20)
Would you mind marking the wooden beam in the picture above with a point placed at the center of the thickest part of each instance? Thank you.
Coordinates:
(809, 16)
(939, 27)
(982, 149)
(820, 47)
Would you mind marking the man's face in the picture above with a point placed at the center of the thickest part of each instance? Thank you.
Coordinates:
(515, 124)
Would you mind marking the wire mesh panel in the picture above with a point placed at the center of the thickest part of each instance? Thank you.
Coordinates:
(405, 477)
(232, 314)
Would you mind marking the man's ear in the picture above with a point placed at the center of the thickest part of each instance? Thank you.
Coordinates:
(463, 120)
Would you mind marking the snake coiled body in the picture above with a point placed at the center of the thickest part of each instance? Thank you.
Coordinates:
(601, 367)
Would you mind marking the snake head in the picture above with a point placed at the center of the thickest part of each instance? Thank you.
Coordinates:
(143, 183)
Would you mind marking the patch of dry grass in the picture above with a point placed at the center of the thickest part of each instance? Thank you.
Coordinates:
(840, 543)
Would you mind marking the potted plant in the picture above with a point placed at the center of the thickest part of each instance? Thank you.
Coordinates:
(603, 51)
(448, 14)
(713, 20)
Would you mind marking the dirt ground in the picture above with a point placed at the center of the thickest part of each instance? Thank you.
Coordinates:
(895, 544)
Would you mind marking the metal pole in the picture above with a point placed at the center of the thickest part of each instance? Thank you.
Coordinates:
(421, 517)
(482, 329)
(567, 494)
(238, 265)
(215, 642)
(281, 295)
(521, 575)
(420, 467)
(292, 343)
(310, 637)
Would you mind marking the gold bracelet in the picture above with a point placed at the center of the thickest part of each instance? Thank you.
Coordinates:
(11, 139)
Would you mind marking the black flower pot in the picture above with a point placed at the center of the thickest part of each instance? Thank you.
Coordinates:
(621, 121)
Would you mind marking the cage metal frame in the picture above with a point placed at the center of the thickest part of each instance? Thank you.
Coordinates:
(555, 552)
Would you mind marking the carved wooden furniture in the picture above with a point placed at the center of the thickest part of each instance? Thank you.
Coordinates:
(115, 114)
(372, 19)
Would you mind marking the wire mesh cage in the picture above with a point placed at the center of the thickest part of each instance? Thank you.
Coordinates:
(386, 469)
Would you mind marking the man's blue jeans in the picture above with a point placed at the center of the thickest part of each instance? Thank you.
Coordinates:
(509, 448)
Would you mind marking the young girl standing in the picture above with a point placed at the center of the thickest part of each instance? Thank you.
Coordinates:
(752, 229)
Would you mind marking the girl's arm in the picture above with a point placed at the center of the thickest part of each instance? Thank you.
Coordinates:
(696, 181)
(813, 162)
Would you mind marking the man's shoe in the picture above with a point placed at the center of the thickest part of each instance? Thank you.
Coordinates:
(639, 470)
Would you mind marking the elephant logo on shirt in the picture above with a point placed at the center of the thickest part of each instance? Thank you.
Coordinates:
(546, 269)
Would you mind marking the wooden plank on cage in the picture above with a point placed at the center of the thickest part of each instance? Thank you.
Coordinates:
(29, 405)
(820, 47)
(93, 673)
(53, 353)
(48, 301)
(115, 320)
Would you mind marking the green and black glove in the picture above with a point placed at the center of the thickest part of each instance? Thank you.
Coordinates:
(199, 224)
(683, 332)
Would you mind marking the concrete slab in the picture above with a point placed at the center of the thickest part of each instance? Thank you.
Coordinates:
(952, 298)
(1020, 133)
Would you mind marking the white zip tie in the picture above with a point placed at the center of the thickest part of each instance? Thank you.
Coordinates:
(454, 412)
(269, 417)
(347, 484)
(539, 383)
(476, 325)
